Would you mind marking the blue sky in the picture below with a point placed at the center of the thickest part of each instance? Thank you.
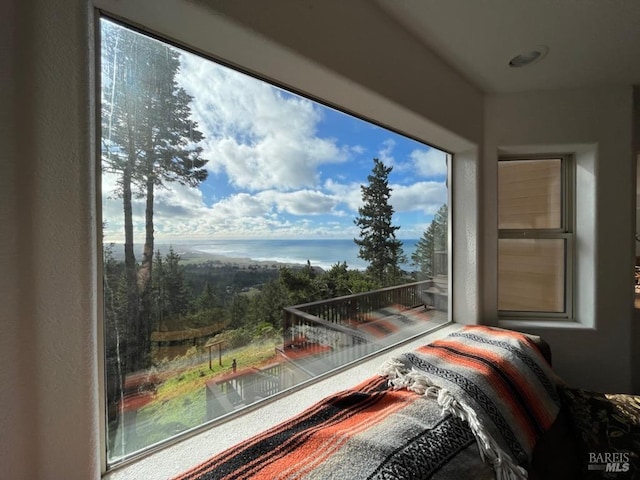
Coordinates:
(282, 166)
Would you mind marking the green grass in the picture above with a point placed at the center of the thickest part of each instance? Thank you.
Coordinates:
(180, 401)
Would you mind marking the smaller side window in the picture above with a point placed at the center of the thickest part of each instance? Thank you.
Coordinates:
(535, 237)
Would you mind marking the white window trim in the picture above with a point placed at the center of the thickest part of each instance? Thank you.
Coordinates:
(585, 157)
(246, 424)
(565, 232)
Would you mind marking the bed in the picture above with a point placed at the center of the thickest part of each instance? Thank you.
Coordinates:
(481, 403)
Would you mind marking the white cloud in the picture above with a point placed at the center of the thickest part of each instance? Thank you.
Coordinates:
(358, 149)
(427, 197)
(349, 194)
(266, 143)
(428, 163)
(261, 137)
(180, 211)
(385, 153)
(240, 205)
(301, 202)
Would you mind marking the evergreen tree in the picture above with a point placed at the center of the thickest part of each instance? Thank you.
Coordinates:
(148, 140)
(238, 311)
(159, 295)
(377, 242)
(115, 315)
(337, 280)
(176, 295)
(207, 299)
(434, 238)
(268, 305)
(302, 285)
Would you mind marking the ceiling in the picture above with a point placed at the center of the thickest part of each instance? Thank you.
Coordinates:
(590, 42)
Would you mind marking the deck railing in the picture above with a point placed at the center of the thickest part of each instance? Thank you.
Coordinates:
(324, 335)
(440, 262)
(335, 322)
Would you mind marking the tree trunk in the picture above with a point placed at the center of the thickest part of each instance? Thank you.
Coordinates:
(133, 330)
(132, 363)
(145, 274)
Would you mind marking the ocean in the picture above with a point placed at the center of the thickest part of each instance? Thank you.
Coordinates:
(321, 253)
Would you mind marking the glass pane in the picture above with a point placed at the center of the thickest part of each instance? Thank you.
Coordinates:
(230, 209)
(529, 194)
(531, 275)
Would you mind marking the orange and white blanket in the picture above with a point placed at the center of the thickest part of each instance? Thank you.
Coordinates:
(496, 380)
(372, 431)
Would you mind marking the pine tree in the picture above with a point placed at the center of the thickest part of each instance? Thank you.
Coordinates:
(178, 298)
(238, 311)
(148, 140)
(434, 239)
(377, 242)
(115, 315)
(159, 295)
(337, 280)
(207, 299)
(302, 285)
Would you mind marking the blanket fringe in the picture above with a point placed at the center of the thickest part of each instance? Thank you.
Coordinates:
(400, 377)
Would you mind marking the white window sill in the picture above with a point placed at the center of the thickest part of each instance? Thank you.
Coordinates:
(542, 324)
(192, 451)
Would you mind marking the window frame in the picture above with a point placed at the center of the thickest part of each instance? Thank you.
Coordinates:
(565, 232)
(110, 466)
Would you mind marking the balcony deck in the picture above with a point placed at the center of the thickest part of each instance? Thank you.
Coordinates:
(322, 336)
(350, 327)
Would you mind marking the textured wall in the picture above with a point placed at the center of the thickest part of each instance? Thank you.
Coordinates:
(48, 350)
(596, 124)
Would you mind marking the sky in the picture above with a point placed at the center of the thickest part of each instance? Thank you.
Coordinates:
(281, 166)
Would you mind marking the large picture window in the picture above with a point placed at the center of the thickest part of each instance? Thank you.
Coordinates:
(535, 241)
(253, 240)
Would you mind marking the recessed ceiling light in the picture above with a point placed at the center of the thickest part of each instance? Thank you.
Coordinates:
(528, 57)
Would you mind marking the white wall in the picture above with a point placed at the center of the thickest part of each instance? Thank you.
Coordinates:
(49, 416)
(359, 42)
(348, 54)
(597, 124)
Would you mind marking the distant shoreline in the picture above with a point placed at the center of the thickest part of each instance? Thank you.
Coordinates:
(189, 255)
(321, 253)
(197, 256)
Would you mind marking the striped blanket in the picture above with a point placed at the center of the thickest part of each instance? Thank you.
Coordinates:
(496, 380)
(481, 387)
(371, 432)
